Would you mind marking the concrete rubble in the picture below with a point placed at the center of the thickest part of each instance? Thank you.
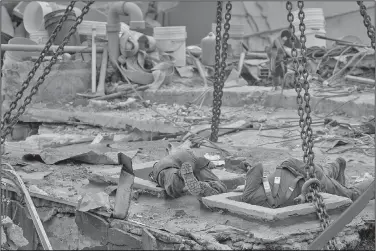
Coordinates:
(65, 146)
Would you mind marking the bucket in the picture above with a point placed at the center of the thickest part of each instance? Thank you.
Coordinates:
(40, 37)
(6, 22)
(171, 40)
(52, 19)
(236, 34)
(34, 13)
(315, 25)
(313, 41)
(18, 56)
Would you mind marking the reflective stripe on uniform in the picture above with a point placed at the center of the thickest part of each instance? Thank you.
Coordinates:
(277, 181)
(268, 193)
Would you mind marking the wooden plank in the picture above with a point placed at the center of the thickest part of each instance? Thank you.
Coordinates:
(149, 242)
(125, 187)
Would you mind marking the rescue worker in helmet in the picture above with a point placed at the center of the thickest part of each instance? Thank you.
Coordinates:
(183, 169)
(286, 185)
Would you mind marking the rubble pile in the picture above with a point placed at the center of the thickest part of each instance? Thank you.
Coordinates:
(92, 107)
(11, 235)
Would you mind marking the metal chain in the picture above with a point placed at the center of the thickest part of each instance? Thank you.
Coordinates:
(25, 84)
(367, 23)
(297, 77)
(46, 71)
(220, 68)
(307, 131)
(301, 81)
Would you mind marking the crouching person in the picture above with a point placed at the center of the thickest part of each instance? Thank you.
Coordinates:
(183, 169)
(284, 186)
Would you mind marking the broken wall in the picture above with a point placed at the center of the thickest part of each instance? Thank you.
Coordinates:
(60, 86)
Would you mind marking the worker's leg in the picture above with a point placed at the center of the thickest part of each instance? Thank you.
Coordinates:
(171, 180)
(332, 186)
(254, 192)
(208, 183)
(336, 170)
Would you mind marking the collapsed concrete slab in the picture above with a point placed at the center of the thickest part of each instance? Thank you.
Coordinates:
(105, 119)
(354, 104)
(232, 202)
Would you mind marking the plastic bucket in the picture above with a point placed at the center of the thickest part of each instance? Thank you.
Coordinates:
(315, 25)
(312, 41)
(6, 22)
(52, 19)
(34, 13)
(172, 40)
(40, 37)
(18, 56)
(314, 18)
(236, 34)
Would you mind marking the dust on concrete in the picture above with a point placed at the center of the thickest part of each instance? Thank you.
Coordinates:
(68, 180)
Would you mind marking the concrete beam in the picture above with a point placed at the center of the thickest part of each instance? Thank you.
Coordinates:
(231, 202)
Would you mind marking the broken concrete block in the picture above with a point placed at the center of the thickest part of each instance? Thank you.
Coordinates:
(21, 131)
(127, 226)
(92, 225)
(119, 237)
(35, 189)
(90, 201)
(111, 246)
(121, 138)
(231, 180)
(98, 139)
(3, 237)
(149, 242)
(15, 234)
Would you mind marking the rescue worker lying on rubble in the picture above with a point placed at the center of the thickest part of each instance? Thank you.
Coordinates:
(183, 169)
(284, 186)
(281, 188)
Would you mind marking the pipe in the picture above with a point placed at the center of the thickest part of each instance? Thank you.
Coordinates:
(29, 47)
(93, 60)
(102, 74)
(113, 24)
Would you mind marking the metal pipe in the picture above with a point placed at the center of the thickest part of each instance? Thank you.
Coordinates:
(113, 24)
(67, 49)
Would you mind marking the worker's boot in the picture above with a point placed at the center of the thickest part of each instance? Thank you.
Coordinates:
(341, 171)
(195, 187)
(336, 170)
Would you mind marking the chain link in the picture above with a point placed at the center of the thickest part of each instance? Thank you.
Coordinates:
(306, 130)
(297, 78)
(367, 23)
(301, 82)
(46, 71)
(220, 68)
